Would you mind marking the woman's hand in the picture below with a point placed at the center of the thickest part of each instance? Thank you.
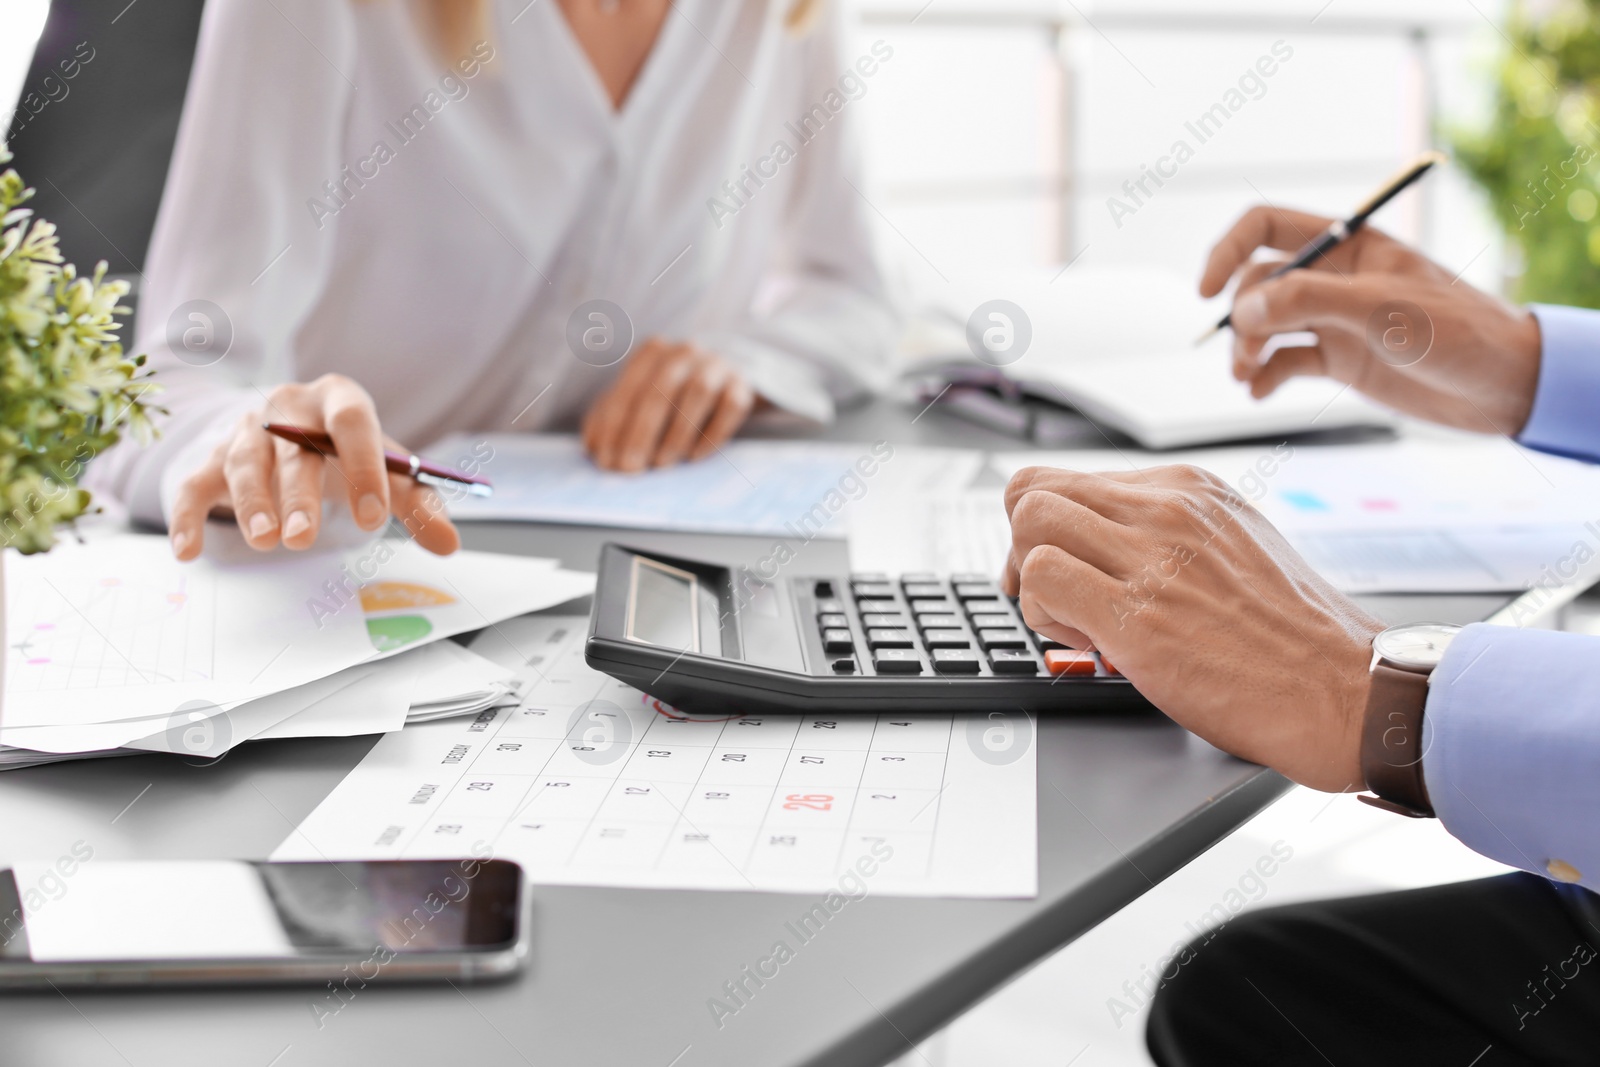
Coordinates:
(275, 489)
(1203, 605)
(1389, 321)
(672, 402)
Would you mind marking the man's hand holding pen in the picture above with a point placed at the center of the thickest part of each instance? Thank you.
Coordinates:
(1188, 589)
(1475, 369)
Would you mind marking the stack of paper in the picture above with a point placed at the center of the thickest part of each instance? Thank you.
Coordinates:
(114, 646)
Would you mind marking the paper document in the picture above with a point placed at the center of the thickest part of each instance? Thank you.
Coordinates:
(115, 645)
(118, 629)
(784, 488)
(589, 782)
(1452, 513)
(959, 532)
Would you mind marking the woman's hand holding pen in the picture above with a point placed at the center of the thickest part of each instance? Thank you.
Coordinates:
(275, 489)
(1455, 355)
(672, 402)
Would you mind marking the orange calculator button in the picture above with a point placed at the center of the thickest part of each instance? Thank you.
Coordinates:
(1069, 661)
(1107, 665)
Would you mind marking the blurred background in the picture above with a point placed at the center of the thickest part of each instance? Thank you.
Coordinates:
(1001, 128)
(1002, 140)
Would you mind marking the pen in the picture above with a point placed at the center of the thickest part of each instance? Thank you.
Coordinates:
(412, 465)
(1340, 231)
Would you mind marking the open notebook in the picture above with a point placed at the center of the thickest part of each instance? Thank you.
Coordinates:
(1116, 345)
(1186, 398)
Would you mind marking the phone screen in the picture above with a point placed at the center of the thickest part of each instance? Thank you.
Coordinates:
(238, 909)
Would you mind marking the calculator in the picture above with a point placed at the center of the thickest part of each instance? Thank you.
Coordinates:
(709, 638)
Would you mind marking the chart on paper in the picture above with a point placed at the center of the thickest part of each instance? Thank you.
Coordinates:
(105, 628)
(590, 782)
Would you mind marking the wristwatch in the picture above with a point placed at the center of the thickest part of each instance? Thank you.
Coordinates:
(1403, 659)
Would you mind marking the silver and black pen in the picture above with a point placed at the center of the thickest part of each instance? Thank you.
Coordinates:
(1342, 230)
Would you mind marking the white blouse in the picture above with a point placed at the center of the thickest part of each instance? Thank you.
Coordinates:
(352, 203)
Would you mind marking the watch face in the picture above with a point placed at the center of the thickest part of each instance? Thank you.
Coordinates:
(1416, 647)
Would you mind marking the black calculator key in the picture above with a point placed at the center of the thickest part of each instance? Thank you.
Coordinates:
(824, 590)
(970, 579)
(1047, 644)
(874, 591)
(890, 639)
(992, 639)
(916, 589)
(895, 621)
(932, 607)
(987, 607)
(829, 607)
(837, 641)
(946, 639)
(844, 666)
(992, 622)
(897, 661)
(943, 622)
(833, 622)
(872, 577)
(956, 661)
(976, 590)
(1011, 661)
(920, 577)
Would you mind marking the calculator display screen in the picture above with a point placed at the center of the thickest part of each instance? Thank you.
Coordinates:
(663, 604)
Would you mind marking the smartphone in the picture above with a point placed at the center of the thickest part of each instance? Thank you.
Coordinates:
(96, 923)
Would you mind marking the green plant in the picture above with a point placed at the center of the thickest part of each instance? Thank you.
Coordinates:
(1535, 158)
(66, 390)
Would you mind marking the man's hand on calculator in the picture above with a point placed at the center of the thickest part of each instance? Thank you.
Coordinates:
(1203, 605)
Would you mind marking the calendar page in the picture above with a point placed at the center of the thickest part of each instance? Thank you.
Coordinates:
(590, 782)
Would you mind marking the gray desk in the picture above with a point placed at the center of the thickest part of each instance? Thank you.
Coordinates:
(622, 977)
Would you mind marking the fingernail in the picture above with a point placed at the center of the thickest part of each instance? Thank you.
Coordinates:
(369, 511)
(180, 543)
(261, 524)
(298, 524)
(1251, 308)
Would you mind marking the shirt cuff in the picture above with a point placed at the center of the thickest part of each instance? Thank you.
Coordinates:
(1510, 741)
(1568, 394)
(785, 381)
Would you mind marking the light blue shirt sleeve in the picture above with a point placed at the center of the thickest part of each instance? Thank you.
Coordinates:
(1566, 404)
(1511, 734)
(1511, 748)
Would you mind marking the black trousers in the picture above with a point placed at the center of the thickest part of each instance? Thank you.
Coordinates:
(1477, 974)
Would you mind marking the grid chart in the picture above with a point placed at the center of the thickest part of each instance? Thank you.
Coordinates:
(590, 782)
(105, 629)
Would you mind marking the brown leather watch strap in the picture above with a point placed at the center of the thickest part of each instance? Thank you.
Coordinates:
(1391, 741)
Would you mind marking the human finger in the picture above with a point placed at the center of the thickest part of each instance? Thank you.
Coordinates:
(1298, 362)
(199, 493)
(1046, 518)
(300, 473)
(733, 408)
(423, 514)
(615, 413)
(352, 421)
(1064, 598)
(654, 404)
(694, 406)
(248, 467)
(1310, 300)
(1260, 227)
(1111, 493)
